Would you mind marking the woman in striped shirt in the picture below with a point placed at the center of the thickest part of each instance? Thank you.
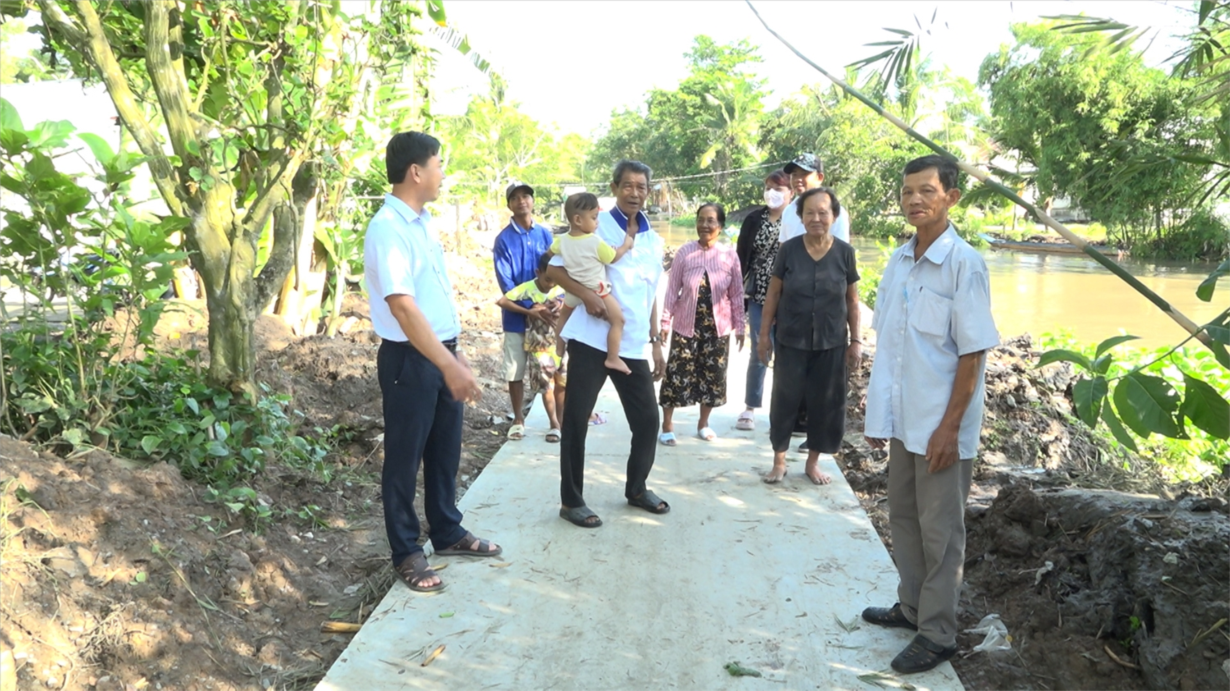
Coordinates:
(704, 304)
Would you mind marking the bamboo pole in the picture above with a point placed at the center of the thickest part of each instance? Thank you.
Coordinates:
(1182, 320)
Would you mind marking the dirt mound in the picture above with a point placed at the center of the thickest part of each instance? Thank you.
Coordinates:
(120, 578)
(1100, 589)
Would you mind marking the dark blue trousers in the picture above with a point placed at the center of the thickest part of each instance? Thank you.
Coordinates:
(422, 421)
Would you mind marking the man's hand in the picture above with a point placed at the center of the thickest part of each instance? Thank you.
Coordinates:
(877, 444)
(595, 305)
(942, 449)
(762, 348)
(461, 382)
(543, 313)
(659, 362)
(739, 338)
(854, 353)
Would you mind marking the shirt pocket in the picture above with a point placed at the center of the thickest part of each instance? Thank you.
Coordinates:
(931, 313)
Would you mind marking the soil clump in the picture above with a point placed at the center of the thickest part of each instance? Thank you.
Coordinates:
(1105, 577)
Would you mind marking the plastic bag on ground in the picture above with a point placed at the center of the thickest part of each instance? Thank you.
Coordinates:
(995, 632)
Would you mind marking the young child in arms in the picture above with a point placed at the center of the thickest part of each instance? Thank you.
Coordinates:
(585, 258)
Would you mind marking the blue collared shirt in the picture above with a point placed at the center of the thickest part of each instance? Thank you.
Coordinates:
(928, 314)
(634, 283)
(516, 254)
(402, 257)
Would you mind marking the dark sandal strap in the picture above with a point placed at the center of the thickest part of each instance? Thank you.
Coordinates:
(650, 502)
(415, 569)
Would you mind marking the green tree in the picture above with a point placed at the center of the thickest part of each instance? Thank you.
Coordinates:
(1081, 117)
(494, 143)
(709, 123)
(248, 93)
(18, 64)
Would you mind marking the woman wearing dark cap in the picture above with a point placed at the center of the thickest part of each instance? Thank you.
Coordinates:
(757, 248)
(813, 301)
(703, 305)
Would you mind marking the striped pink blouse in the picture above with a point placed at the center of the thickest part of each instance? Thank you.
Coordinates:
(725, 283)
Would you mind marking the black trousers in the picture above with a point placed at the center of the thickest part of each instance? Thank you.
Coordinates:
(422, 421)
(814, 377)
(586, 375)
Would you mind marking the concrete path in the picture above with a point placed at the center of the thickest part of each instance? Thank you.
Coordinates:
(771, 577)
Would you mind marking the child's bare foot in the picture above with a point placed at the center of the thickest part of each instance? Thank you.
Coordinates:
(613, 362)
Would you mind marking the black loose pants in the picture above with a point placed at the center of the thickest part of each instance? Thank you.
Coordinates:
(586, 375)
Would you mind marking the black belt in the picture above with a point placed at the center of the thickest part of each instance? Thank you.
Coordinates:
(451, 344)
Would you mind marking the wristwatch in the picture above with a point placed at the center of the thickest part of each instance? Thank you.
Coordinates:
(656, 338)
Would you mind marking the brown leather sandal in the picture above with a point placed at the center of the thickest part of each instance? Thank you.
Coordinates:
(414, 569)
(470, 546)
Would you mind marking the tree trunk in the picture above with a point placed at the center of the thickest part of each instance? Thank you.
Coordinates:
(232, 352)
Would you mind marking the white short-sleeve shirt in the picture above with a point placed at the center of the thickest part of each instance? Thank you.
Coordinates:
(634, 284)
(928, 314)
(792, 225)
(401, 257)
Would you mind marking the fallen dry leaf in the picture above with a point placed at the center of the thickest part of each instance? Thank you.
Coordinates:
(434, 654)
(339, 627)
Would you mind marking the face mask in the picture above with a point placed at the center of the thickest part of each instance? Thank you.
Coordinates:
(774, 199)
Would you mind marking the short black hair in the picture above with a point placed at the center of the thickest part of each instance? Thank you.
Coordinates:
(406, 149)
(626, 166)
(576, 203)
(945, 167)
(721, 211)
(544, 260)
(834, 205)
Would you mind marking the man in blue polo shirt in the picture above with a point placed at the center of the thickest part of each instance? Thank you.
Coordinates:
(516, 252)
(634, 283)
(424, 379)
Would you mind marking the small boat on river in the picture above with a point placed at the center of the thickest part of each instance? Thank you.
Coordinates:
(1049, 247)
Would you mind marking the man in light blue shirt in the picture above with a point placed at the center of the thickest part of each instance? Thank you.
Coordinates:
(634, 284)
(424, 380)
(933, 327)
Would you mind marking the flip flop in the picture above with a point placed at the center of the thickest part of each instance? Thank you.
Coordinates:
(579, 516)
(707, 434)
(650, 502)
(597, 419)
(746, 421)
(516, 433)
(667, 439)
(553, 436)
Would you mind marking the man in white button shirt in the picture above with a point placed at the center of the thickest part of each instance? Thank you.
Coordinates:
(933, 327)
(634, 284)
(423, 378)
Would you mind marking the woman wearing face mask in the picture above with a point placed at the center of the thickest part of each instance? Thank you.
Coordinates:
(757, 248)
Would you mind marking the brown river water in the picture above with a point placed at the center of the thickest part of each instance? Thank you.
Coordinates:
(1039, 293)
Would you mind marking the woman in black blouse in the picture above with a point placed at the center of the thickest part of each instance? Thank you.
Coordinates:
(813, 300)
(757, 247)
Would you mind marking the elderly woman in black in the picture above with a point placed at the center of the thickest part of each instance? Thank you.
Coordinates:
(813, 300)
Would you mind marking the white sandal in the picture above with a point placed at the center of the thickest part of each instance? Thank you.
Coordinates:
(746, 421)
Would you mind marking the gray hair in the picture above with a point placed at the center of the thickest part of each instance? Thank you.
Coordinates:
(626, 166)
